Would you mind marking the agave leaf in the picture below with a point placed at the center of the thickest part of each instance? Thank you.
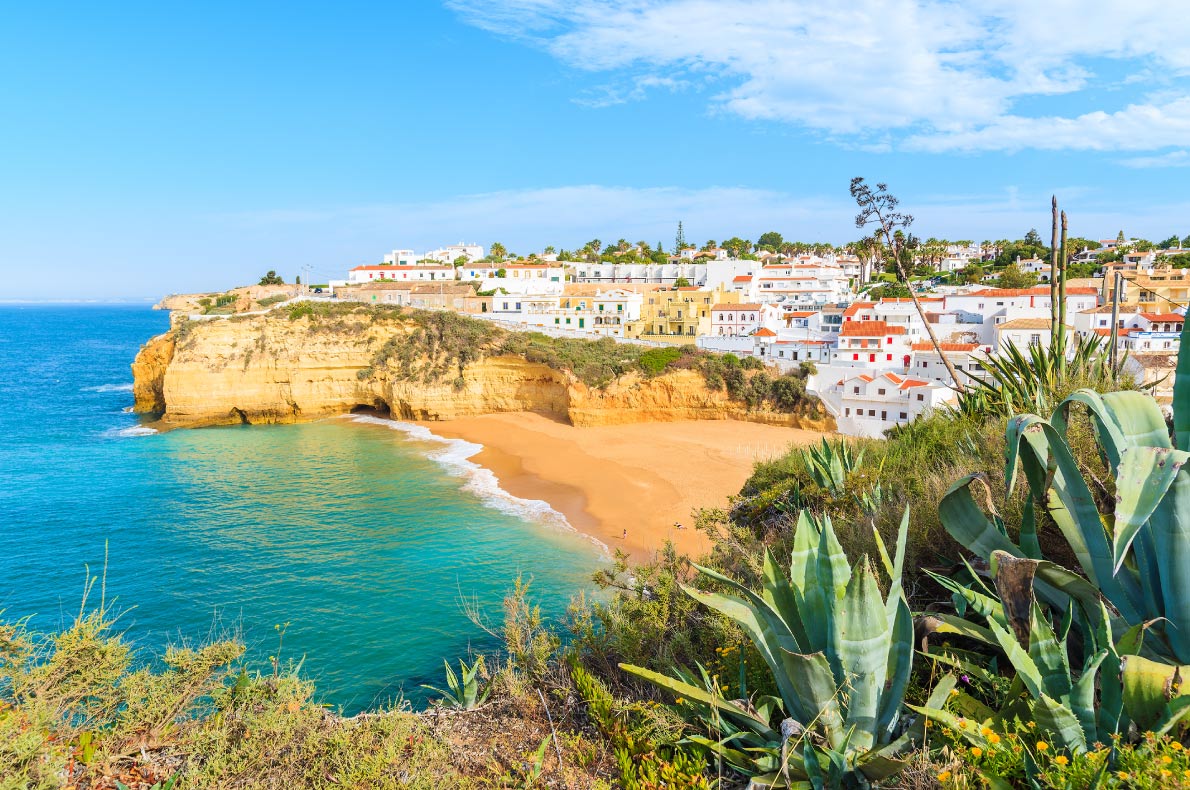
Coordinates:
(1082, 697)
(984, 605)
(1121, 420)
(1049, 655)
(1145, 475)
(861, 642)
(1148, 688)
(1014, 583)
(1029, 545)
(1177, 711)
(779, 593)
(814, 683)
(1181, 393)
(945, 623)
(1169, 528)
(900, 665)
(693, 692)
(1022, 662)
(1060, 722)
(803, 575)
(966, 522)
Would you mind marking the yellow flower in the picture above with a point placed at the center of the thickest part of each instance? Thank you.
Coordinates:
(1061, 759)
(993, 738)
(1042, 746)
(1177, 747)
(1186, 773)
(679, 701)
(1121, 774)
(943, 776)
(1165, 774)
(954, 692)
(1166, 759)
(976, 752)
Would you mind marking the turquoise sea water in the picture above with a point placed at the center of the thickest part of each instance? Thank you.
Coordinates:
(361, 536)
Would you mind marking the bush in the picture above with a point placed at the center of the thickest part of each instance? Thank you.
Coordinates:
(656, 360)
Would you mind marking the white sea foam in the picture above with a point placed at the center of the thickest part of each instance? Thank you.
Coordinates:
(109, 388)
(127, 433)
(455, 457)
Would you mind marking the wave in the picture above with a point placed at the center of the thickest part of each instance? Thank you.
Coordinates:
(128, 433)
(455, 459)
(110, 388)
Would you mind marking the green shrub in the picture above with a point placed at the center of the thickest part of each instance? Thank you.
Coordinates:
(654, 361)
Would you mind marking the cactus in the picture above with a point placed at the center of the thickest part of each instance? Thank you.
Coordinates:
(840, 656)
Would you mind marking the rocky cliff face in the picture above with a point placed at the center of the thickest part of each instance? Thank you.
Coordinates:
(270, 369)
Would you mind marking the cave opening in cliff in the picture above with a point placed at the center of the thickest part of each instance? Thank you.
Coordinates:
(377, 408)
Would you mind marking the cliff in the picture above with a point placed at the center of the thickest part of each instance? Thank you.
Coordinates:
(276, 369)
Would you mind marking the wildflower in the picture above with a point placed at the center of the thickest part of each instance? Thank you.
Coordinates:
(976, 752)
(1061, 759)
(1042, 746)
(1166, 759)
(954, 692)
(1176, 746)
(985, 731)
(1186, 773)
(965, 679)
(943, 776)
(962, 723)
(1165, 774)
(993, 738)
(679, 701)
(1121, 774)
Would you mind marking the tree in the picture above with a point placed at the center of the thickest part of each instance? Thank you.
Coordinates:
(770, 241)
(460, 261)
(681, 282)
(501, 273)
(737, 247)
(1185, 242)
(549, 250)
(1033, 238)
(880, 208)
(1013, 277)
(272, 278)
(1120, 237)
(679, 240)
(497, 251)
(972, 273)
(710, 245)
(1172, 241)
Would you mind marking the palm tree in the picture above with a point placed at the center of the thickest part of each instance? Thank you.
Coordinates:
(497, 251)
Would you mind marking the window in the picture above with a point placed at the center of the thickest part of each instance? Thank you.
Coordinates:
(904, 416)
(855, 357)
(921, 397)
(848, 412)
(888, 357)
(871, 412)
(884, 415)
(559, 320)
(855, 390)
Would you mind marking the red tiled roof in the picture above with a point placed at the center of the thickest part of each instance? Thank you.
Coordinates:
(855, 307)
(741, 306)
(927, 346)
(870, 329)
(764, 332)
(394, 268)
(741, 278)
(1040, 290)
(904, 299)
(1103, 331)
(1160, 318)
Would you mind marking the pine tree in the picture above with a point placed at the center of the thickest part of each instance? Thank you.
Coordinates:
(680, 241)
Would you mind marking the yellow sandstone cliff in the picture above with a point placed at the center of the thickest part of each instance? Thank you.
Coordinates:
(274, 369)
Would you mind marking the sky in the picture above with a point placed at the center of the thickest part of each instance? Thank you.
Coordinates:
(152, 148)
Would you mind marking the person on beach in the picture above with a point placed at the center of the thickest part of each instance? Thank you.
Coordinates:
(625, 535)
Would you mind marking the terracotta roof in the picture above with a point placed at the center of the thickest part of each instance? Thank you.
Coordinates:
(1163, 317)
(1026, 323)
(801, 313)
(927, 346)
(870, 329)
(764, 332)
(388, 267)
(855, 307)
(1040, 290)
(908, 383)
(1103, 331)
(741, 278)
(740, 306)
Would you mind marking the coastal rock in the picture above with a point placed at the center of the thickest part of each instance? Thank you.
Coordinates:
(275, 368)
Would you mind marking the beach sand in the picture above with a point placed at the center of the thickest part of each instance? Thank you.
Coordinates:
(643, 478)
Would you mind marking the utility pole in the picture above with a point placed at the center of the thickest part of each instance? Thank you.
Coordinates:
(1115, 321)
(1054, 274)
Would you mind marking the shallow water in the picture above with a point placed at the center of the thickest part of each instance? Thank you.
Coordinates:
(363, 538)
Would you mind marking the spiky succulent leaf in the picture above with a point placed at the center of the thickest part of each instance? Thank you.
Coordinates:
(1144, 477)
(1060, 723)
(1181, 392)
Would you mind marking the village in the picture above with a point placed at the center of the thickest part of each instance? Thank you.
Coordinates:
(832, 312)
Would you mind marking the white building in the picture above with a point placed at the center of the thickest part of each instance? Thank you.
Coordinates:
(367, 274)
(658, 273)
(401, 258)
(451, 253)
(1025, 332)
(735, 319)
(868, 405)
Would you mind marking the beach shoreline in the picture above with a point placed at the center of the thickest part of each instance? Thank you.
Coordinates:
(626, 486)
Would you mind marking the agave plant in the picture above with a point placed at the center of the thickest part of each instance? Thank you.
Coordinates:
(840, 657)
(1071, 707)
(831, 463)
(1017, 381)
(465, 695)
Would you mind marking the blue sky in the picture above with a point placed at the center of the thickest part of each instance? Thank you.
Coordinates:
(148, 148)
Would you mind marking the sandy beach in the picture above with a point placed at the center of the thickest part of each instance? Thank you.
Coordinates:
(643, 478)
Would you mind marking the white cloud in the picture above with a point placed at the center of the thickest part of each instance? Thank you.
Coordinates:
(1171, 159)
(950, 75)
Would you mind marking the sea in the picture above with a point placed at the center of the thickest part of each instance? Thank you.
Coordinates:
(351, 549)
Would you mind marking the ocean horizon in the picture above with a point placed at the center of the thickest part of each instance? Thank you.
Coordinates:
(365, 535)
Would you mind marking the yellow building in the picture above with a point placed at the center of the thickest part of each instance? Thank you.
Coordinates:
(1154, 292)
(678, 316)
